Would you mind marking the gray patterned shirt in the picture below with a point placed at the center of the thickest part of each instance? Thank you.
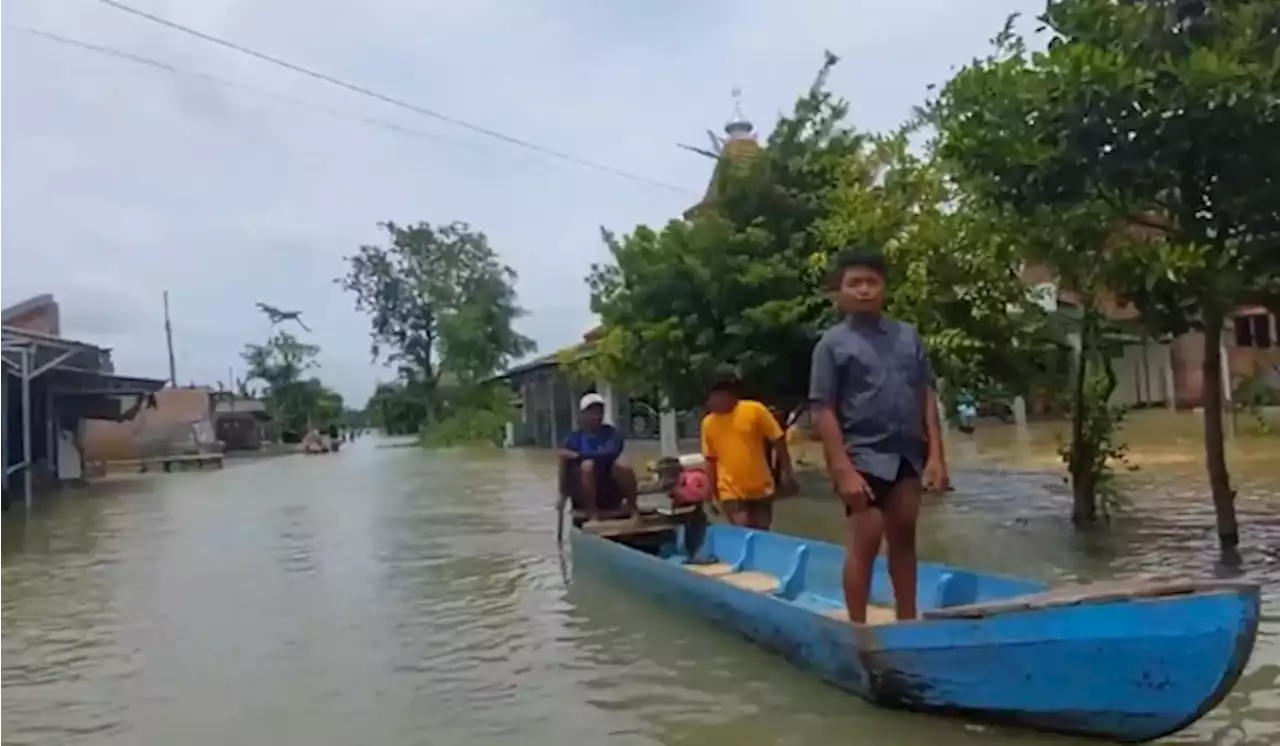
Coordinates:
(873, 373)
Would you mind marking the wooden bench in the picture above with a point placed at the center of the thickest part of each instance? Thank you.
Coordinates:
(1082, 593)
(144, 465)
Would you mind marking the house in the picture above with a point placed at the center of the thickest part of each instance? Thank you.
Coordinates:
(241, 423)
(53, 388)
(177, 420)
(1168, 372)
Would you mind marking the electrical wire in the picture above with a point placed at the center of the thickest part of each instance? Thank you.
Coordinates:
(208, 78)
(325, 78)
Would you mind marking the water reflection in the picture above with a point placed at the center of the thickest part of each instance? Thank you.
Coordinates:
(397, 596)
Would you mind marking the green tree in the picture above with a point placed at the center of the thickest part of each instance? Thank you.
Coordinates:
(953, 268)
(440, 301)
(295, 402)
(1081, 245)
(399, 407)
(734, 283)
(1167, 111)
(740, 282)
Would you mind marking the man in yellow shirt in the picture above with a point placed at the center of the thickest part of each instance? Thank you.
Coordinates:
(734, 434)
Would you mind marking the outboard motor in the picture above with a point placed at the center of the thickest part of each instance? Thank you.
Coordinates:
(686, 480)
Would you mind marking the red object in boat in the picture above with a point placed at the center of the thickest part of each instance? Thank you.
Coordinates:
(693, 487)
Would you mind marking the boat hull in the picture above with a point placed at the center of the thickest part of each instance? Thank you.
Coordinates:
(1124, 669)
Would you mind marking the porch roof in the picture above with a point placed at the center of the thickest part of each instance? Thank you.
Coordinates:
(49, 352)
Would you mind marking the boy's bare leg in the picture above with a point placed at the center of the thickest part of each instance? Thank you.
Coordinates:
(759, 514)
(587, 484)
(864, 531)
(735, 513)
(900, 515)
(625, 477)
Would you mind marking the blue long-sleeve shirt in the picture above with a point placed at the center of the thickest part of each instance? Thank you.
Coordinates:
(603, 446)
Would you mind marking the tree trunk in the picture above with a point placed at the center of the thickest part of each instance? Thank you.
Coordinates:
(1084, 506)
(1215, 458)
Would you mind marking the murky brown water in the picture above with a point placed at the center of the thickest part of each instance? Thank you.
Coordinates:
(395, 596)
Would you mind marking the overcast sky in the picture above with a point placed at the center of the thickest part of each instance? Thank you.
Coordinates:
(120, 181)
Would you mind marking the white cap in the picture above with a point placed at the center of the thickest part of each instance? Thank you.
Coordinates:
(590, 400)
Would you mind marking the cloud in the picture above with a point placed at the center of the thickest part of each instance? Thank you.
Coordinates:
(124, 181)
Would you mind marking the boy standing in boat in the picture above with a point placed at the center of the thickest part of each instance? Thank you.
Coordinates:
(876, 411)
(592, 473)
(737, 434)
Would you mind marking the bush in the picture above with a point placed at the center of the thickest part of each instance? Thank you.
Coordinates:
(472, 416)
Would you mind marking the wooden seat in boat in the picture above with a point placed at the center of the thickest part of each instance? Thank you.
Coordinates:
(748, 580)
(765, 583)
(752, 581)
(875, 615)
(713, 570)
(1076, 594)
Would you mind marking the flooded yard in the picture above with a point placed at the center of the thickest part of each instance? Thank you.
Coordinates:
(399, 596)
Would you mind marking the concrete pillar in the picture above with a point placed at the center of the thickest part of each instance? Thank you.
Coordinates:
(509, 436)
(556, 435)
(4, 415)
(1019, 407)
(50, 435)
(605, 389)
(1226, 373)
(27, 486)
(668, 436)
(1170, 383)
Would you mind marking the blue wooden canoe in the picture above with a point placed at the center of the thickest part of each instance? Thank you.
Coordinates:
(1129, 661)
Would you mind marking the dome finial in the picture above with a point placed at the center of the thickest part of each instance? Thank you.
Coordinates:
(738, 128)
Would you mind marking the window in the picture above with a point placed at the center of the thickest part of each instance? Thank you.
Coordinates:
(1254, 330)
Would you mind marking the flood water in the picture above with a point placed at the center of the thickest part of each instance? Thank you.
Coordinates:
(398, 596)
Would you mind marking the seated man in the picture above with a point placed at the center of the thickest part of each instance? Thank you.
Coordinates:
(594, 480)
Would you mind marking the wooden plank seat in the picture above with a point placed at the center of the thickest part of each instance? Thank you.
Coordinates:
(607, 528)
(748, 580)
(1073, 595)
(875, 615)
(713, 570)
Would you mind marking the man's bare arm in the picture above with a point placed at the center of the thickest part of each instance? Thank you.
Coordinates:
(713, 480)
(833, 452)
(933, 428)
(824, 397)
(783, 455)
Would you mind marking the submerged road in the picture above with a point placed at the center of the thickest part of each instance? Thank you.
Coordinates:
(398, 596)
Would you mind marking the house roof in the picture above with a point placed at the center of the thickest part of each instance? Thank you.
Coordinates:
(22, 308)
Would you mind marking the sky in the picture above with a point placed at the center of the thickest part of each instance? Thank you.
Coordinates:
(121, 181)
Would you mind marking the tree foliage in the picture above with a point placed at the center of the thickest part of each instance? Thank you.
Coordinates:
(1166, 111)
(740, 281)
(732, 284)
(296, 402)
(439, 302)
(438, 298)
(399, 407)
(953, 267)
(442, 305)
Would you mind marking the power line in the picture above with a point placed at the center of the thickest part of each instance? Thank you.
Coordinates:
(206, 77)
(387, 99)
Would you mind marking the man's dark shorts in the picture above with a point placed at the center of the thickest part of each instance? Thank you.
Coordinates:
(882, 489)
(608, 491)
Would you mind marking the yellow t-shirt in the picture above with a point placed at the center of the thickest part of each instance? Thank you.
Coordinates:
(736, 441)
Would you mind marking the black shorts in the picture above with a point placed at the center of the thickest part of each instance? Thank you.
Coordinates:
(608, 491)
(882, 489)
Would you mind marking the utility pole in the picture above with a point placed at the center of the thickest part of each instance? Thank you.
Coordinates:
(168, 339)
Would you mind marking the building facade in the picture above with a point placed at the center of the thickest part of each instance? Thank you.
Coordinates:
(53, 387)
